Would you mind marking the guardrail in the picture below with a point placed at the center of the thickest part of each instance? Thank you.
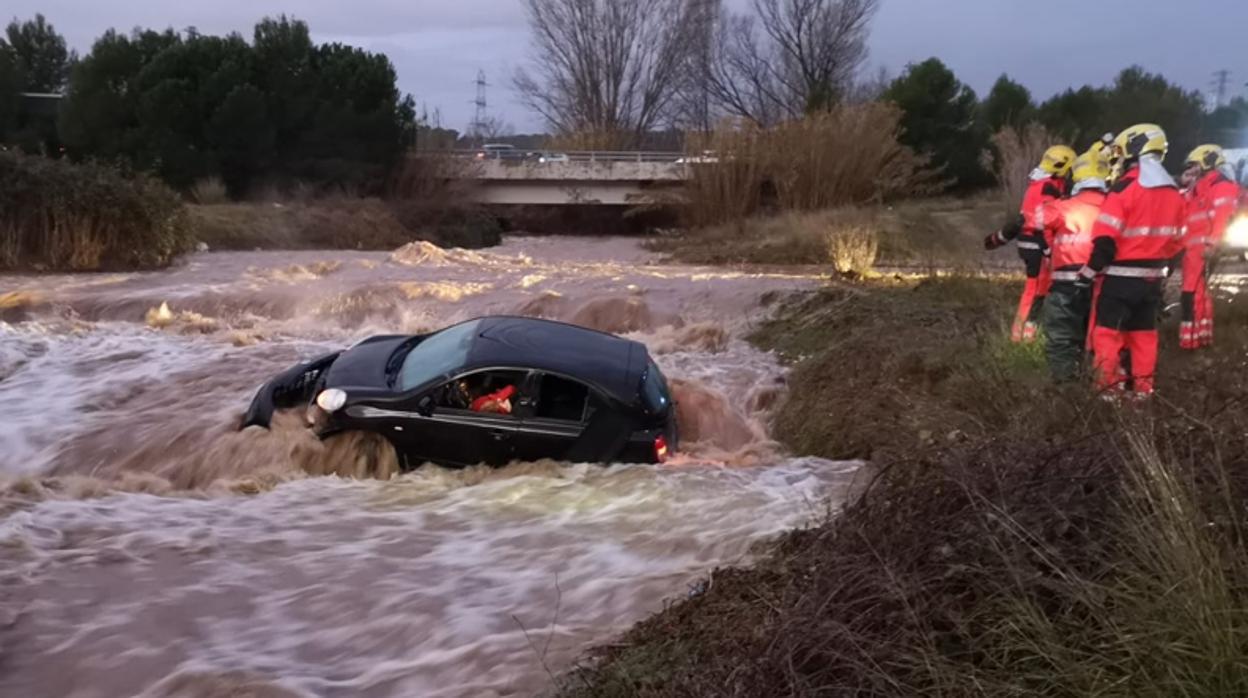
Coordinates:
(571, 155)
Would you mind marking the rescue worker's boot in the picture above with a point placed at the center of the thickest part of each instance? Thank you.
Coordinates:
(1020, 332)
(1065, 331)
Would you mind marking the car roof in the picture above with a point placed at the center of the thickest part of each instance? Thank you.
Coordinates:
(612, 363)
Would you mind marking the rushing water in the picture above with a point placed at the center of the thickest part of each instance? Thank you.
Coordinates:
(149, 548)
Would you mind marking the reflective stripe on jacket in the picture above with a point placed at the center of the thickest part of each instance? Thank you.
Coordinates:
(1068, 226)
(1139, 224)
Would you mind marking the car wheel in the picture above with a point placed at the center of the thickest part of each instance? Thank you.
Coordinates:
(360, 455)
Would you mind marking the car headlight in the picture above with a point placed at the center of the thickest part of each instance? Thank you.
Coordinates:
(1237, 233)
(331, 400)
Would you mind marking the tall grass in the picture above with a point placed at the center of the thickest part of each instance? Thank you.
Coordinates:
(59, 215)
(847, 155)
(1015, 153)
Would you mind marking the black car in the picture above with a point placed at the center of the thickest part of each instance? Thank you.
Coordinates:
(491, 390)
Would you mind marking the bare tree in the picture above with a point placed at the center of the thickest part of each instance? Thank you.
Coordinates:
(607, 67)
(791, 57)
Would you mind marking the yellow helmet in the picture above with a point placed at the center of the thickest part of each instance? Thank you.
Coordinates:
(1209, 157)
(1057, 160)
(1091, 165)
(1139, 140)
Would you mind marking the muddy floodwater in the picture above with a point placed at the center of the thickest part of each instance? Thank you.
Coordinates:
(149, 548)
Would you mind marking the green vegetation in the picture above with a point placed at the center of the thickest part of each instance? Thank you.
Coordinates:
(939, 120)
(1010, 538)
(944, 120)
(33, 58)
(278, 109)
(273, 111)
(57, 215)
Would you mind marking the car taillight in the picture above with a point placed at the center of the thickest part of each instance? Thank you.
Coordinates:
(660, 449)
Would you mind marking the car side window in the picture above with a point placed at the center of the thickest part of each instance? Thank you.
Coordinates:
(562, 399)
(486, 392)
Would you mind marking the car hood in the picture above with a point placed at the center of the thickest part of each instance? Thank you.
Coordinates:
(364, 365)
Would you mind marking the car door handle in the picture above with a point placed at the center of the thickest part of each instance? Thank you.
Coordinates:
(499, 434)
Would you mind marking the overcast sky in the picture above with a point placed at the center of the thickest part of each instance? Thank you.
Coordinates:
(437, 46)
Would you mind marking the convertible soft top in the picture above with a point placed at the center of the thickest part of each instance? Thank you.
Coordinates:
(614, 364)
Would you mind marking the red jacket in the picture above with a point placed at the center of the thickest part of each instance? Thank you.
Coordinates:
(498, 401)
(1210, 207)
(1139, 226)
(1068, 228)
(1039, 193)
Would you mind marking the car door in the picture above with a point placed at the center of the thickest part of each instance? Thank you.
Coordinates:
(557, 418)
(451, 433)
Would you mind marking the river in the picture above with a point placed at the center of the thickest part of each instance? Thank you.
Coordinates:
(149, 548)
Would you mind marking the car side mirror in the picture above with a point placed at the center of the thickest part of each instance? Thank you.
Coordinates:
(425, 406)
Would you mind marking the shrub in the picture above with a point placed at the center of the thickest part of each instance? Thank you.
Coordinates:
(210, 190)
(455, 226)
(852, 249)
(58, 215)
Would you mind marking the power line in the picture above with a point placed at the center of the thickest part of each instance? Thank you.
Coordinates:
(1221, 80)
(479, 117)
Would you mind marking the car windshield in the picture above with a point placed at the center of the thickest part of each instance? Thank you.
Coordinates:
(438, 355)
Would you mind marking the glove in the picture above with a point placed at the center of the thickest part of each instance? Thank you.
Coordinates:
(1211, 253)
(994, 241)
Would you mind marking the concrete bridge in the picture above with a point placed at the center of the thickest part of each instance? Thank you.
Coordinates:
(583, 178)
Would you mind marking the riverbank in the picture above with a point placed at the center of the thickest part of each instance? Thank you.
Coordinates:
(1015, 538)
(342, 223)
(928, 233)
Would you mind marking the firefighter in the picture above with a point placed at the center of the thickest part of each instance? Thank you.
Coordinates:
(1138, 232)
(1211, 204)
(1068, 225)
(1048, 183)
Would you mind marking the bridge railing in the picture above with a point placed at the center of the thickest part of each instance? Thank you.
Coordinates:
(536, 155)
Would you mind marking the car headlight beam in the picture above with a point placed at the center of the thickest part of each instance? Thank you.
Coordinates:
(331, 400)
(1237, 233)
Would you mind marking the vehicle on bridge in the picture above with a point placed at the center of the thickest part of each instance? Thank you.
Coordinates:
(500, 151)
(491, 390)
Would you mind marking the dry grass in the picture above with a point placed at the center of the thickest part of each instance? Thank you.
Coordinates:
(849, 155)
(1015, 539)
(341, 223)
(1016, 152)
(929, 234)
(209, 192)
